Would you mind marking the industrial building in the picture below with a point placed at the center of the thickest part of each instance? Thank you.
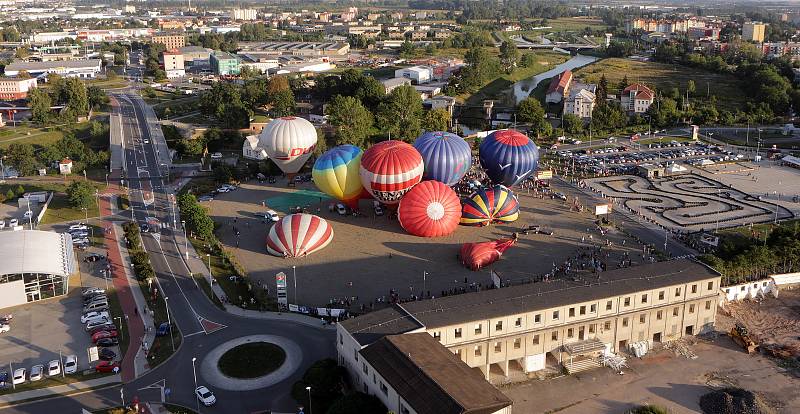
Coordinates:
(417, 74)
(34, 265)
(309, 49)
(170, 41)
(16, 88)
(511, 332)
(224, 64)
(85, 69)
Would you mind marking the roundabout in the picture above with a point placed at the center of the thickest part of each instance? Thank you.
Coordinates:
(251, 362)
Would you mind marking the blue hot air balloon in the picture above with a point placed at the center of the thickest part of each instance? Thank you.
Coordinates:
(508, 156)
(447, 157)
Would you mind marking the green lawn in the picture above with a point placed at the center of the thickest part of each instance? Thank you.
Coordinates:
(664, 77)
(52, 381)
(576, 23)
(202, 281)
(251, 360)
(116, 310)
(27, 134)
(60, 210)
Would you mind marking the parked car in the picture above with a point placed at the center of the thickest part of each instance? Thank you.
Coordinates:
(94, 323)
(88, 316)
(205, 198)
(2, 224)
(3, 379)
(105, 342)
(100, 297)
(107, 366)
(560, 196)
(103, 334)
(37, 372)
(163, 329)
(106, 354)
(101, 329)
(93, 257)
(53, 368)
(205, 396)
(19, 376)
(79, 226)
(378, 209)
(28, 214)
(4, 327)
(216, 155)
(271, 215)
(13, 222)
(71, 364)
(92, 291)
(341, 209)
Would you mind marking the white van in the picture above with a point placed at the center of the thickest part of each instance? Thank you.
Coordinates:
(96, 306)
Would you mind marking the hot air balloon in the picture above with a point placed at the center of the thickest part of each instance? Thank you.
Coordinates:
(490, 205)
(430, 209)
(289, 142)
(336, 173)
(508, 156)
(389, 169)
(447, 156)
(478, 255)
(298, 235)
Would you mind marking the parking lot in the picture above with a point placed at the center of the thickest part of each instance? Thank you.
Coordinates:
(41, 331)
(372, 259)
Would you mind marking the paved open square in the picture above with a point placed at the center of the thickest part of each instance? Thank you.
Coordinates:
(768, 179)
(371, 255)
(688, 202)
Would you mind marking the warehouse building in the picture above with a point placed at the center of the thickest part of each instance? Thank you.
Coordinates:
(225, 64)
(85, 69)
(34, 265)
(511, 332)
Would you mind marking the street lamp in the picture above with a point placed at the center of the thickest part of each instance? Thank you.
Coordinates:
(106, 180)
(121, 332)
(194, 373)
(294, 277)
(424, 282)
(185, 239)
(309, 399)
(169, 322)
(210, 277)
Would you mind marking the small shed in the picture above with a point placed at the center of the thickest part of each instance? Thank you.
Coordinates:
(650, 170)
(65, 166)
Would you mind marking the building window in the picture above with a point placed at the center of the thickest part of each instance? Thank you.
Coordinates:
(708, 305)
(729, 291)
(341, 340)
(554, 336)
(694, 288)
(583, 310)
(571, 312)
(593, 308)
(569, 333)
(710, 285)
(691, 308)
(536, 339)
(404, 410)
(384, 390)
(498, 326)
(437, 336)
(478, 329)
(517, 343)
(624, 322)
(609, 304)
(675, 311)
(518, 323)
(674, 329)
(592, 328)
(498, 347)
(642, 318)
(764, 284)
(478, 350)
(677, 292)
(627, 302)
(458, 353)
(458, 333)
(644, 298)
(659, 315)
(555, 315)
(537, 318)
(661, 295)
(742, 289)
(355, 353)
(364, 368)
(607, 325)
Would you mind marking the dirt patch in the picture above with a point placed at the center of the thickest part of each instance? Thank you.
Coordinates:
(773, 323)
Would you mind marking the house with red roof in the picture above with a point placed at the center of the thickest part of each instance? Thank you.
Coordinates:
(637, 98)
(559, 87)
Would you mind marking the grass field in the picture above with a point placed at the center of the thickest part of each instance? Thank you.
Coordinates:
(576, 24)
(664, 77)
(41, 136)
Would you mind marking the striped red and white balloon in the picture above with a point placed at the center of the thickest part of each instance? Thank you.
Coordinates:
(298, 235)
(389, 169)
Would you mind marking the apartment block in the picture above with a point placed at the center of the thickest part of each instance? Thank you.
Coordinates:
(170, 41)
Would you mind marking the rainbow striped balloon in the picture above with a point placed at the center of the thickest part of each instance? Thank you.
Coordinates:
(486, 206)
(336, 173)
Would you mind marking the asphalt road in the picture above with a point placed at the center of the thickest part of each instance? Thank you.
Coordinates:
(187, 303)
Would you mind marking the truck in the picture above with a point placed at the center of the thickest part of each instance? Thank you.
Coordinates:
(741, 336)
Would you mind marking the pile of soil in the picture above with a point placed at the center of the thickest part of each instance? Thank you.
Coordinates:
(734, 401)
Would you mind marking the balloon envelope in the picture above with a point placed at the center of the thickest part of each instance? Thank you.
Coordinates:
(447, 156)
(389, 169)
(289, 142)
(430, 209)
(478, 255)
(508, 156)
(490, 205)
(336, 173)
(297, 235)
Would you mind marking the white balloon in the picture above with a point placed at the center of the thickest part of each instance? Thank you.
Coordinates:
(289, 142)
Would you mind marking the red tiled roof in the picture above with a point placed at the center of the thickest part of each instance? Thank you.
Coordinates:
(560, 82)
(642, 91)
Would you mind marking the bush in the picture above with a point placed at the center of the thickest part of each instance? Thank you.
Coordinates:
(325, 378)
(357, 402)
(649, 409)
(10, 194)
(20, 190)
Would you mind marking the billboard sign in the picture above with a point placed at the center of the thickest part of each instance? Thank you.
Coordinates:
(280, 282)
(601, 209)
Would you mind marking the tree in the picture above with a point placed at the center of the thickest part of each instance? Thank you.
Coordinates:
(573, 124)
(19, 191)
(22, 157)
(40, 103)
(690, 87)
(357, 402)
(481, 66)
(528, 60)
(436, 120)
(191, 146)
(96, 96)
(283, 103)
(623, 83)
(602, 90)
(223, 174)
(81, 194)
(72, 93)
(325, 378)
(608, 117)
(531, 111)
(400, 114)
(196, 217)
(351, 120)
(509, 55)
(406, 49)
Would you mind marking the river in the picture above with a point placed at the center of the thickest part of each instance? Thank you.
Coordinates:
(523, 88)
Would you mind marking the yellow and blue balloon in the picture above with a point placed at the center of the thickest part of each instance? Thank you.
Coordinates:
(336, 173)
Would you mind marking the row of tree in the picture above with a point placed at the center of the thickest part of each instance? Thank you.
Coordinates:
(233, 105)
(72, 93)
(27, 159)
(196, 217)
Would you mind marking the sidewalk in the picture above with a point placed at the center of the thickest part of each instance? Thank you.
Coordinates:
(126, 291)
(58, 390)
